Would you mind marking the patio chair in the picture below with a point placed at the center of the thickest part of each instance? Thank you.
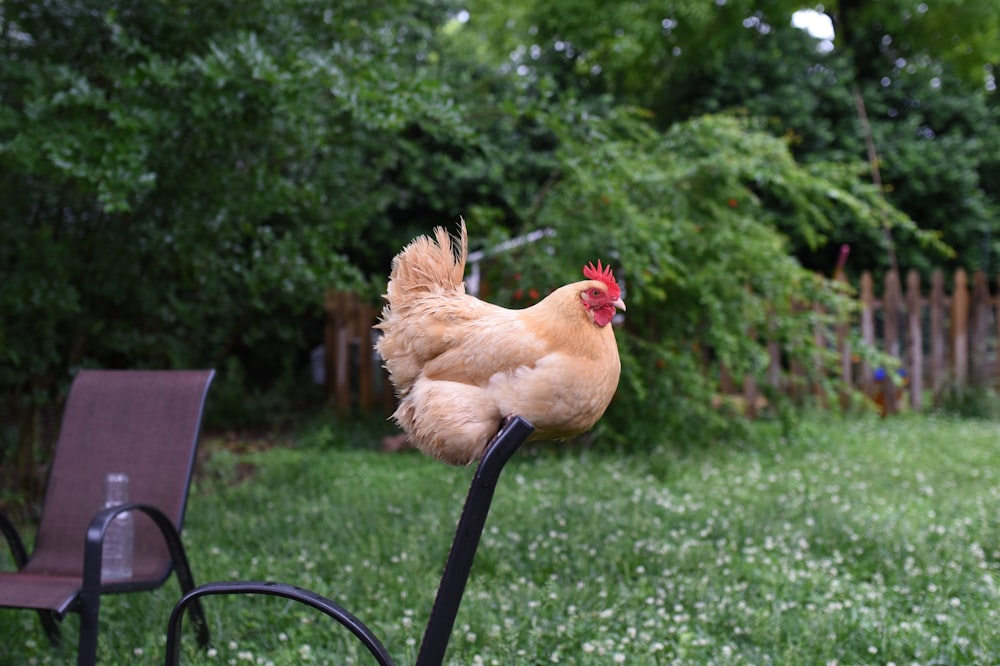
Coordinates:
(449, 594)
(145, 424)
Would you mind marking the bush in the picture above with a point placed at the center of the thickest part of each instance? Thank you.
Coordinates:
(981, 402)
(697, 223)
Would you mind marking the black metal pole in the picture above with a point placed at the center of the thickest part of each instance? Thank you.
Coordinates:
(463, 549)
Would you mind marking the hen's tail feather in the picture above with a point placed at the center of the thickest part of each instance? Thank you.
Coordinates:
(428, 265)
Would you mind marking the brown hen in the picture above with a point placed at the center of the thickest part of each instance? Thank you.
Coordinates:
(461, 365)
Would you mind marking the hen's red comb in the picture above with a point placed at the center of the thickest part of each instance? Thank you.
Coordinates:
(603, 274)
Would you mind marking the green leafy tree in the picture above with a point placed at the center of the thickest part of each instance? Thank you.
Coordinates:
(689, 219)
(963, 36)
(918, 68)
(935, 141)
(180, 182)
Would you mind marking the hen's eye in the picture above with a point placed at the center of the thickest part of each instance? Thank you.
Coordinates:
(595, 292)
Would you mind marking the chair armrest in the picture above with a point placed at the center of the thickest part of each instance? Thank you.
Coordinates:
(14, 541)
(90, 593)
(94, 546)
(303, 596)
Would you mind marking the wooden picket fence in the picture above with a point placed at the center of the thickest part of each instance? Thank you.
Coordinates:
(942, 338)
(354, 377)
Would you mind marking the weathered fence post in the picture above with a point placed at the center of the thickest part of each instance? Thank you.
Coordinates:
(960, 329)
(749, 384)
(774, 364)
(841, 330)
(867, 330)
(937, 310)
(819, 339)
(979, 329)
(914, 339)
(341, 349)
(891, 306)
(351, 371)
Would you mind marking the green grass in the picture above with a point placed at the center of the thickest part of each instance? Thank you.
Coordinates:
(846, 542)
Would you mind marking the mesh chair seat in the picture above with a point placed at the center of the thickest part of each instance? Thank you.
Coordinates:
(144, 423)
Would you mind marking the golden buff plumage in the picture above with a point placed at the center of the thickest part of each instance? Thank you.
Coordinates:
(461, 365)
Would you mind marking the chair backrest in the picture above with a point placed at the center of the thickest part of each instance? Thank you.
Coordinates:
(144, 423)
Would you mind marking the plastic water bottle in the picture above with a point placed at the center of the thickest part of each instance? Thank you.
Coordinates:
(118, 540)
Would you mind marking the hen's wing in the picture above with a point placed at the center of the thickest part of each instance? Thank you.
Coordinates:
(456, 338)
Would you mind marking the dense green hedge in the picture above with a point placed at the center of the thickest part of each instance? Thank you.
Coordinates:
(180, 182)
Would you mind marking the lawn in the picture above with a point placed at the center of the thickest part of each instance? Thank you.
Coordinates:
(843, 542)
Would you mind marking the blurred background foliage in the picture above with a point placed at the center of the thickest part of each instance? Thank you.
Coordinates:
(181, 181)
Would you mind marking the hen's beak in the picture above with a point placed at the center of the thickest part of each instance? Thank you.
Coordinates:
(620, 304)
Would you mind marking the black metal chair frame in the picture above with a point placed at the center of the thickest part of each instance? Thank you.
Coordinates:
(87, 600)
(90, 593)
(20, 555)
(512, 434)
